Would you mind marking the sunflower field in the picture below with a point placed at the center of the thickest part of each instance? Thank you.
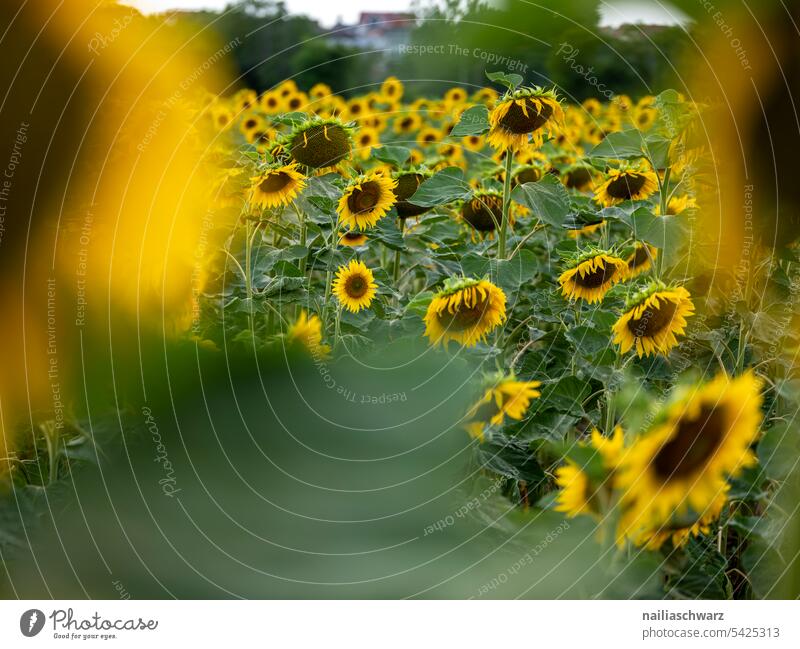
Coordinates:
(615, 374)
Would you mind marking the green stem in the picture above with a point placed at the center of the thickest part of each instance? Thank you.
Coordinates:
(337, 332)
(329, 277)
(248, 270)
(396, 275)
(303, 237)
(501, 242)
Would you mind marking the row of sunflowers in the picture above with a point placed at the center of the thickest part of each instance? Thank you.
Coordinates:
(548, 242)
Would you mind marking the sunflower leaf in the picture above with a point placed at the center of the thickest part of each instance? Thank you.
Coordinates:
(547, 199)
(387, 233)
(474, 121)
(392, 154)
(443, 187)
(633, 145)
(510, 81)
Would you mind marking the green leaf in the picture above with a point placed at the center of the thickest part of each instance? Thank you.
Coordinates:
(510, 459)
(443, 187)
(510, 81)
(633, 145)
(387, 233)
(474, 121)
(547, 199)
(392, 154)
(659, 231)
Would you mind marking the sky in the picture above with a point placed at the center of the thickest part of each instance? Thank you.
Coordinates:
(328, 12)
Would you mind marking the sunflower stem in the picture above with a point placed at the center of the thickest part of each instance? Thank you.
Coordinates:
(501, 240)
(248, 271)
(396, 273)
(337, 329)
(303, 237)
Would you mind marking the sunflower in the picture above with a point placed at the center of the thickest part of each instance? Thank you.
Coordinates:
(221, 116)
(652, 320)
(354, 286)
(578, 176)
(626, 185)
(528, 174)
(472, 142)
(586, 229)
(586, 490)
(455, 96)
(352, 238)
(308, 332)
(644, 118)
(524, 116)
(407, 184)
(320, 143)
(366, 200)
(250, 122)
(366, 138)
(271, 103)
(680, 531)
(678, 204)
(295, 102)
(407, 123)
(320, 91)
(641, 259)
(591, 275)
(429, 135)
(484, 211)
(592, 106)
(504, 397)
(392, 89)
(681, 466)
(277, 185)
(485, 96)
(465, 310)
(357, 108)
(244, 100)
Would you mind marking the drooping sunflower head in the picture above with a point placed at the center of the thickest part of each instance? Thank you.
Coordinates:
(578, 176)
(277, 185)
(524, 116)
(465, 311)
(503, 396)
(408, 181)
(484, 211)
(529, 173)
(307, 331)
(591, 274)
(320, 143)
(652, 320)
(584, 229)
(626, 184)
(681, 466)
(587, 489)
(641, 259)
(352, 238)
(366, 200)
(354, 286)
(681, 529)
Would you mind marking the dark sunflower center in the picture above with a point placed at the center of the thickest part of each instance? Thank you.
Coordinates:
(275, 182)
(653, 320)
(625, 186)
(353, 236)
(295, 103)
(428, 138)
(595, 278)
(250, 123)
(356, 286)
(639, 257)
(321, 145)
(692, 445)
(464, 317)
(364, 199)
(516, 121)
(482, 212)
